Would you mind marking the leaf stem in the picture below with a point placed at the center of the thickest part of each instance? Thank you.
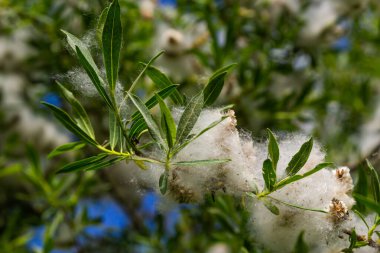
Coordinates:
(129, 156)
(299, 207)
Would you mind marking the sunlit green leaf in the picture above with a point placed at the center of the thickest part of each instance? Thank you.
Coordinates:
(301, 246)
(115, 131)
(168, 122)
(83, 164)
(69, 123)
(163, 182)
(269, 174)
(100, 26)
(95, 77)
(375, 182)
(75, 43)
(162, 81)
(215, 84)
(353, 239)
(188, 141)
(79, 113)
(66, 148)
(138, 124)
(273, 150)
(189, 118)
(361, 187)
(270, 206)
(104, 164)
(291, 179)
(201, 162)
(111, 41)
(149, 121)
(300, 158)
(369, 203)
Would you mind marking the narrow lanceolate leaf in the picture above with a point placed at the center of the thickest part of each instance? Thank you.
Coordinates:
(189, 118)
(299, 159)
(80, 115)
(95, 77)
(165, 92)
(353, 239)
(115, 131)
(291, 179)
(369, 203)
(375, 182)
(66, 148)
(168, 122)
(100, 26)
(188, 141)
(270, 206)
(149, 121)
(215, 84)
(69, 123)
(213, 89)
(163, 182)
(269, 174)
(138, 125)
(104, 164)
(162, 81)
(74, 42)
(201, 162)
(83, 164)
(301, 246)
(111, 41)
(273, 150)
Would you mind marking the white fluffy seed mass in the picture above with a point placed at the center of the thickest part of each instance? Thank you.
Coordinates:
(328, 190)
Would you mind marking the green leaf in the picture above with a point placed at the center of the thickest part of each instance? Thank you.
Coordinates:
(299, 159)
(75, 43)
(375, 182)
(215, 85)
(104, 164)
(69, 123)
(95, 77)
(137, 127)
(291, 179)
(165, 92)
(189, 118)
(66, 148)
(168, 122)
(188, 141)
(201, 162)
(162, 81)
(111, 41)
(83, 164)
(138, 124)
(270, 206)
(163, 182)
(301, 246)
(80, 115)
(115, 131)
(269, 174)
(361, 216)
(361, 187)
(274, 151)
(353, 239)
(140, 164)
(149, 121)
(100, 25)
(369, 203)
